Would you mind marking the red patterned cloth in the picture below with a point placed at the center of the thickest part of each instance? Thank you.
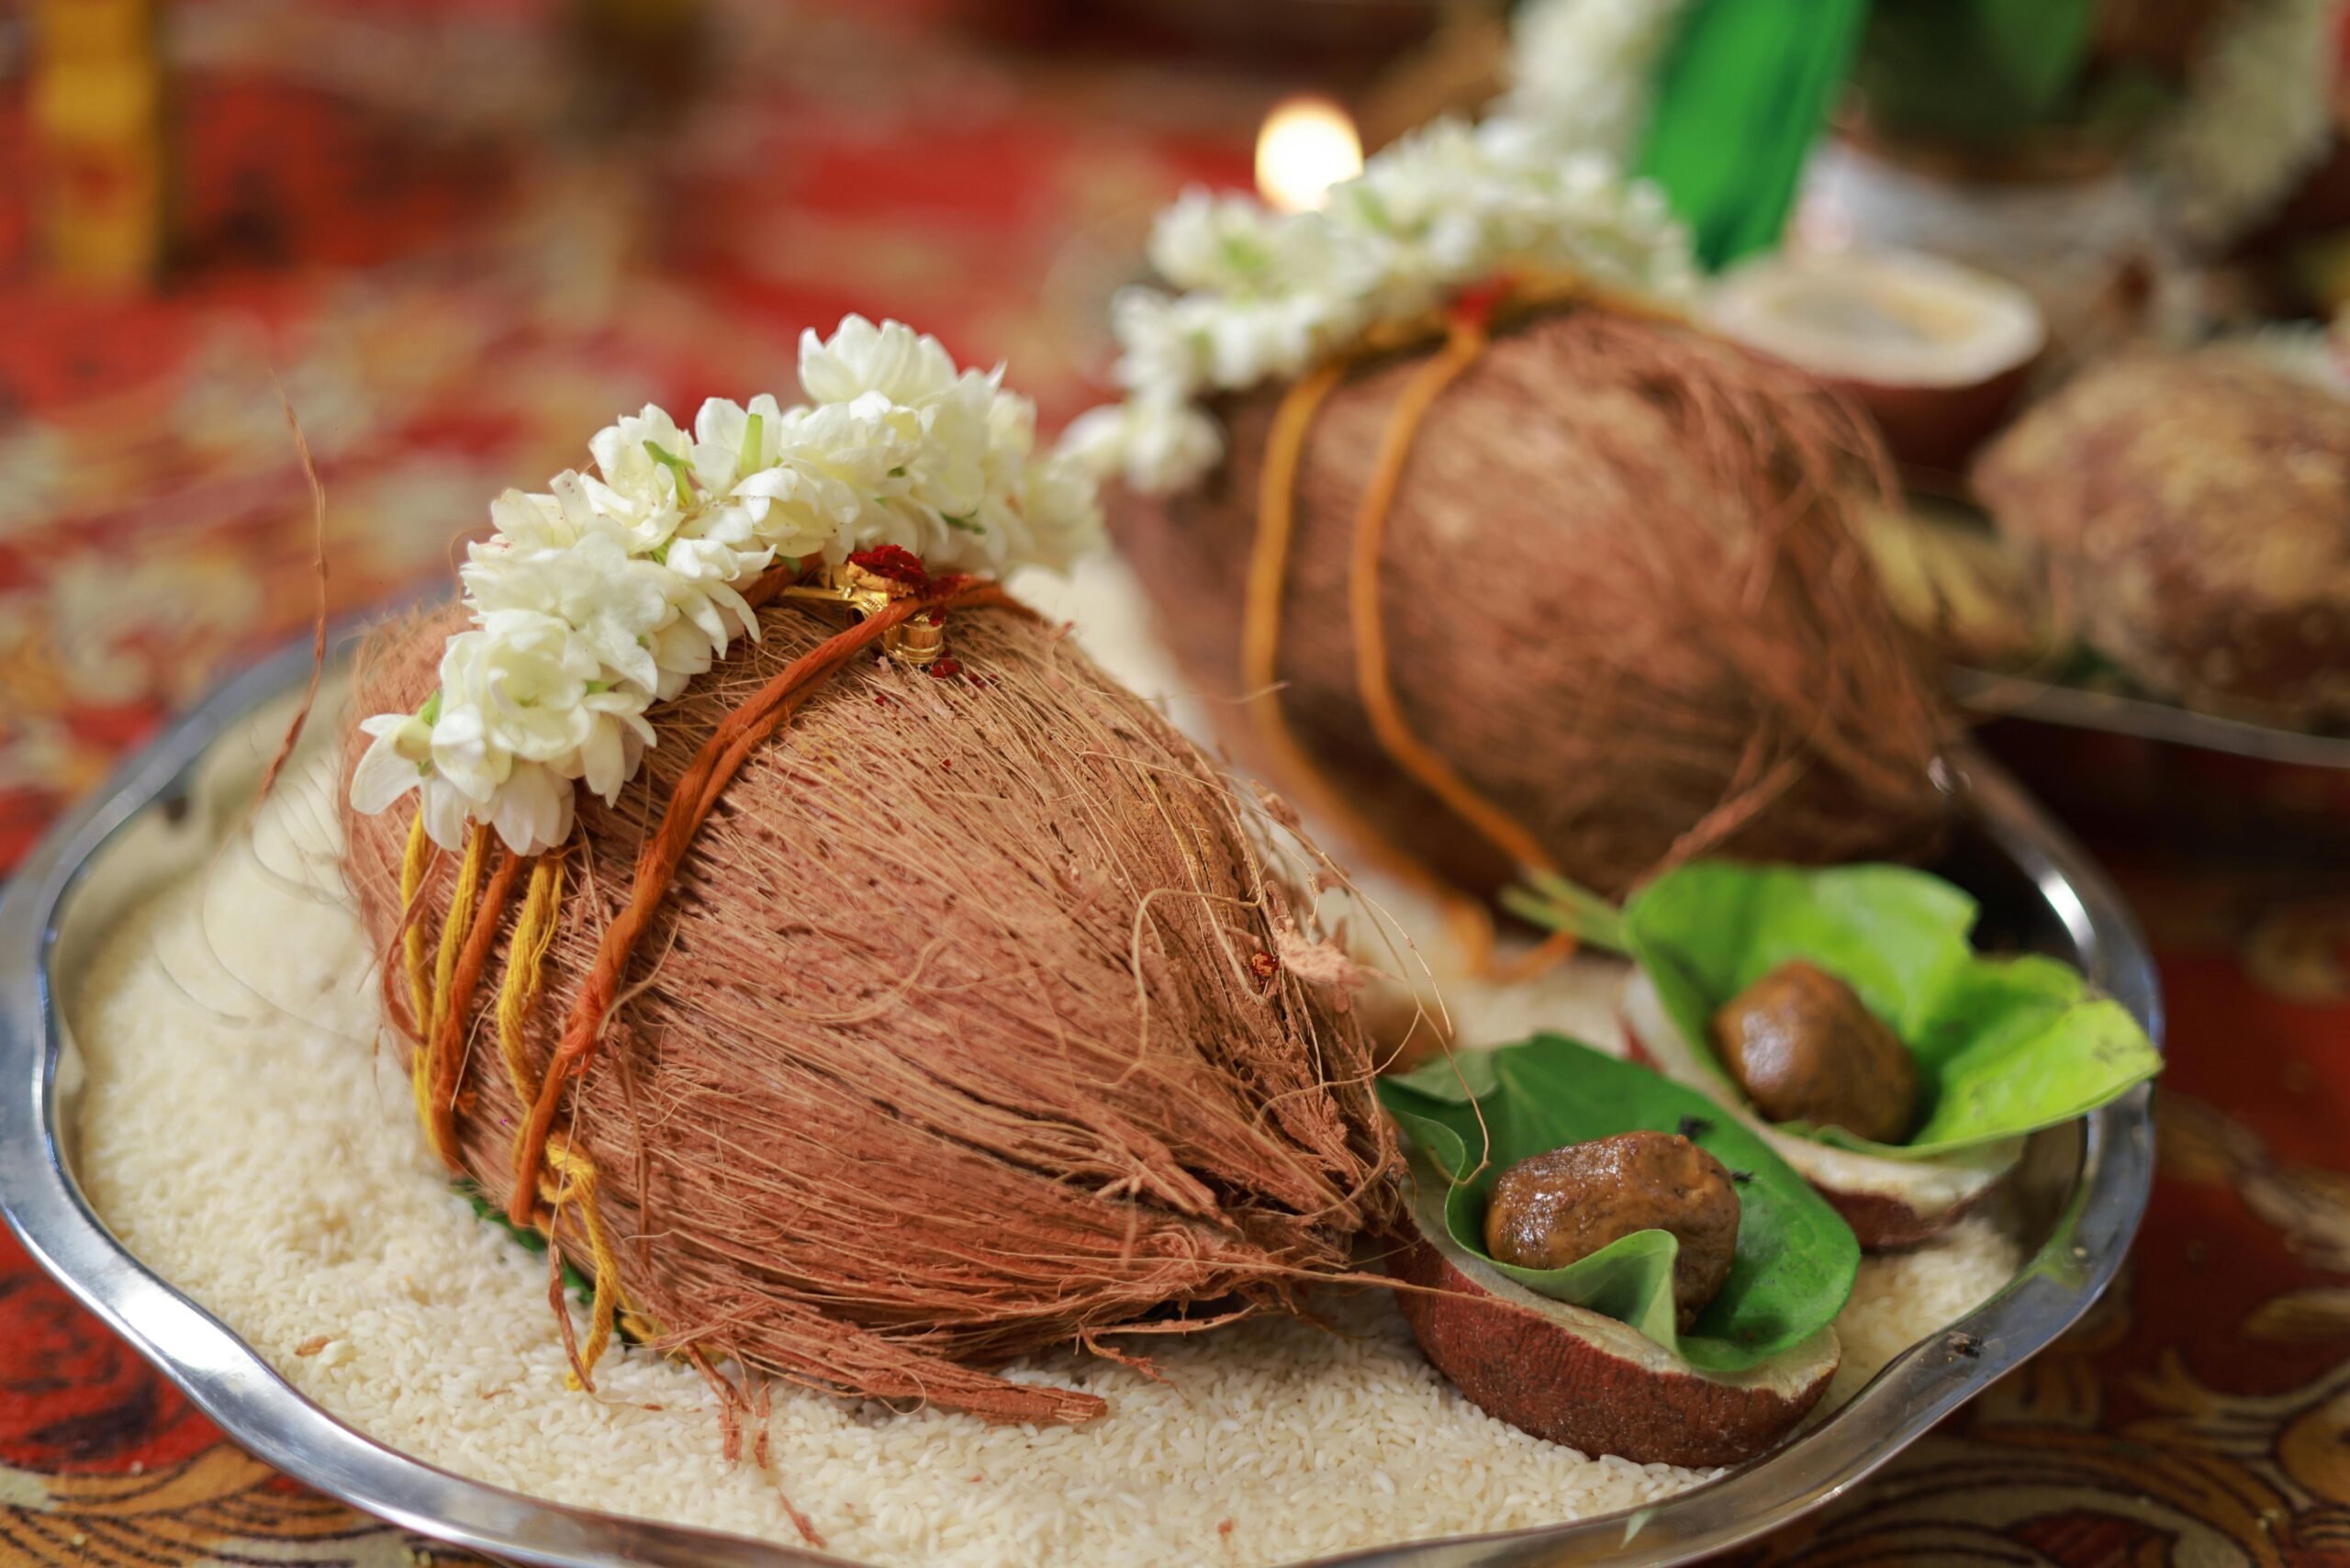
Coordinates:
(154, 532)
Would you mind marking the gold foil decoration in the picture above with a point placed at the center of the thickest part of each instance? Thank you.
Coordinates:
(920, 642)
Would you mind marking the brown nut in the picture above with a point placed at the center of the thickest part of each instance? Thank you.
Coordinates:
(1805, 1048)
(1550, 1210)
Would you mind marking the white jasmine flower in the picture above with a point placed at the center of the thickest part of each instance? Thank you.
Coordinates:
(1578, 74)
(733, 443)
(1095, 442)
(1158, 347)
(1169, 444)
(1154, 445)
(892, 359)
(446, 810)
(1228, 243)
(613, 601)
(618, 736)
(705, 613)
(645, 458)
(1061, 504)
(1265, 296)
(535, 522)
(532, 809)
(524, 675)
(947, 472)
(464, 756)
(399, 759)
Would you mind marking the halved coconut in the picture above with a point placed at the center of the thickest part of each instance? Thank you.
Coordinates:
(1888, 1202)
(1936, 352)
(1576, 1377)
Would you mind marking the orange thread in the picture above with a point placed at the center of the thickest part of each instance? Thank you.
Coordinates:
(1470, 922)
(1260, 625)
(1463, 348)
(447, 1054)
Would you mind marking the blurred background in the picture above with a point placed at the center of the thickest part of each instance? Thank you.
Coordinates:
(464, 233)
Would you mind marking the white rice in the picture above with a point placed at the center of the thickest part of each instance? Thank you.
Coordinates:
(243, 1137)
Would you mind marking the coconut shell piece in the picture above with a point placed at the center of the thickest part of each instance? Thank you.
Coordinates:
(1579, 1378)
(1622, 598)
(2193, 513)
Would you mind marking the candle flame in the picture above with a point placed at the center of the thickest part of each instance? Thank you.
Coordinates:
(1308, 145)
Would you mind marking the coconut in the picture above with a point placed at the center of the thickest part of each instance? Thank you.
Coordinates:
(1888, 1202)
(1937, 352)
(971, 1024)
(1583, 1379)
(1622, 595)
(2191, 512)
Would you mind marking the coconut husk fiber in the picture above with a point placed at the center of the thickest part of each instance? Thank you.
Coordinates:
(969, 1027)
(1623, 600)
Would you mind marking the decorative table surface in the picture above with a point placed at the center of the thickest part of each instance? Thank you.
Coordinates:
(441, 337)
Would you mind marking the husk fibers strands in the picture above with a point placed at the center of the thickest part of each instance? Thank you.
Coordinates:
(954, 1037)
(1621, 596)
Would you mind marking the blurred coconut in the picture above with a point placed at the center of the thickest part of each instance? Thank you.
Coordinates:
(1624, 600)
(2193, 511)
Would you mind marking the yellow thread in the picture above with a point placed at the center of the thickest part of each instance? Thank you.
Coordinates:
(578, 1180)
(569, 1175)
(412, 867)
(453, 939)
(535, 930)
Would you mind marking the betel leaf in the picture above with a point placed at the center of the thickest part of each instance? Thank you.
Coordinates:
(2004, 1046)
(1796, 1259)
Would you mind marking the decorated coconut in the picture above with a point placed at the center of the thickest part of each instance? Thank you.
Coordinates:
(1502, 560)
(855, 984)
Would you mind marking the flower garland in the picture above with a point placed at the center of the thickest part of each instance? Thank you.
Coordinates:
(609, 594)
(2255, 118)
(1581, 72)
(1267, 295)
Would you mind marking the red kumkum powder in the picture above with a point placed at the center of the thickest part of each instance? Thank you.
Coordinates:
(894, 561)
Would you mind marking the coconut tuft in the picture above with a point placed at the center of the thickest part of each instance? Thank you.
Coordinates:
(965, 1028)
(1623, 600)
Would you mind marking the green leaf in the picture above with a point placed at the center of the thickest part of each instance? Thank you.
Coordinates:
(1555, 903)
(1742, 92)
(582, 1289)
(1456, 1077)
(2004, 1046)
(1796, 1259)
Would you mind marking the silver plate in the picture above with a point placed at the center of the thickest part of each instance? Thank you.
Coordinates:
(2082, 1191)
(1993, 696)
